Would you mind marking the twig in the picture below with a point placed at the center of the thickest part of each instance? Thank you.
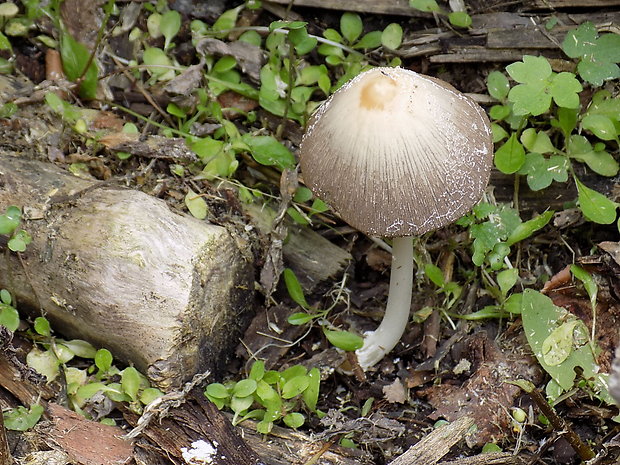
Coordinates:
(160, 406)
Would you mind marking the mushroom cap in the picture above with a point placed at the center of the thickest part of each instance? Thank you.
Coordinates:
(396, 153)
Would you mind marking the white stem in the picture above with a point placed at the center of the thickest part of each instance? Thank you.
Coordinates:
(386, 336)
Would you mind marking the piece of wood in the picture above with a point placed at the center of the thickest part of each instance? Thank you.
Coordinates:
(312, 258)
(430, 449)
(85, 441)
(493, 458)
(285, 446)
(5, 452)
(116, 267)
(383, 7)
(196, 426)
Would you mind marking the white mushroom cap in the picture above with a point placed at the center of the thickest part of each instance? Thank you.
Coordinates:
(397, 153)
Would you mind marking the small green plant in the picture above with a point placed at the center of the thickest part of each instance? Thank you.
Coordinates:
(543, 127)
(495, 228)
(269, 396)
(50, 355)
(9, 317)
(344, 45)
(344, 340)
(9, 226)
(458, 18)
(22, 418)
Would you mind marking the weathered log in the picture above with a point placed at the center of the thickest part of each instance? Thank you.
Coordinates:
(115, 266)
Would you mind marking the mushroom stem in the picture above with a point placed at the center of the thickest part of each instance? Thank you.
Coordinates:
(379, 342)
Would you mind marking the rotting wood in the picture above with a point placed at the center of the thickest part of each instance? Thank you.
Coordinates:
(386, 7)
(196, 422)
(402, 7)
(85, 441)
(430, 449)
(312, 258)
(285, 447)
(5, 452)
(493, 458)
(109, 264)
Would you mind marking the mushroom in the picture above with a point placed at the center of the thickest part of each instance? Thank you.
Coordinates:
(397, 154)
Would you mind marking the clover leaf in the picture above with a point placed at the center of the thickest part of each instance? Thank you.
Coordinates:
(598, 54)
(538, 85)
(541, 171)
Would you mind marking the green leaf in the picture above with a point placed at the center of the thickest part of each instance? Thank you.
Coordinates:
(526, 229)
(370, 40)
(600, 162)
(498, 85)
(169, 26)
(595, 207)
(75, 56)
(9, 317)
(588, 283)
(241, 404)
(217, 391)
(538, 142)
(294, 288)
(596, 72)
(294, 420)
(88, 390)
(21, 418)
(43, 362)
(344, 340)
(295, 386)
(149, 395)
(351, 26)
(392, 36)
(559, 344)
(581, 41)
(425, 5)
(103, 360)
(541, 171)
(42, 326)
(506, 279)
(532, 69)
(81, 348)
(244, 388)
(9, 221)
(266, 150)
(227, 20)
(510, 156)
(564, 89)
(5, 297)
(130, 382)
(19, 241)
(196, 205)
(601, 126)
(566, 120)
(460, 19)
(434, 273)
(540, 318)
(311, 393)
(300, 318)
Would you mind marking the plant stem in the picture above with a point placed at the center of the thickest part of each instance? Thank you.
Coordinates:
(380, 342)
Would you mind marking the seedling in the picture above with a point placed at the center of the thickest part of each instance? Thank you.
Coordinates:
(9, 226)
(458, 18)
(269, 396)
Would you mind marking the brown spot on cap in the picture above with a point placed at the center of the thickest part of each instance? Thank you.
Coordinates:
(377, 92)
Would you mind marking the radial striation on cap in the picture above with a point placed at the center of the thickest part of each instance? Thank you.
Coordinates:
(397, 153)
